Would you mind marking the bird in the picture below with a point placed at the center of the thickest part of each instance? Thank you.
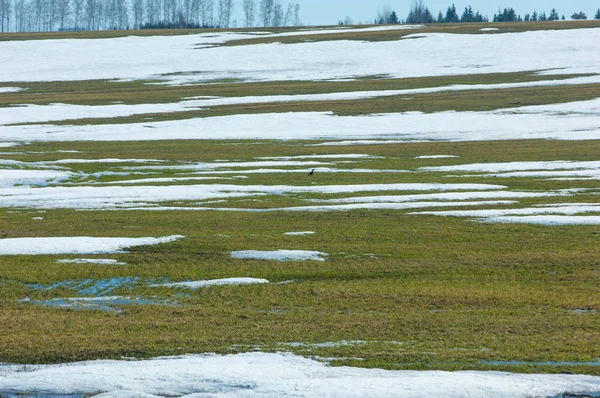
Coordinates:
(311, 172)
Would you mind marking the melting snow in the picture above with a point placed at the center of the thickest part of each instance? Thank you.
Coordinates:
(75, 245)
(213, 282)
(269, 375)
(570, 121)
(302, 233)
(146, 196)
(101, 261)
(82, 59)
(10, 178)
(280, 255)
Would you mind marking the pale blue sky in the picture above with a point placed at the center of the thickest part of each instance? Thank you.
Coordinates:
(328, 12)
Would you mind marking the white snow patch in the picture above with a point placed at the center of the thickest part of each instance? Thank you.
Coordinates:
(453, 196)
(8, 144)
(10, 178)
(100, 261)
(517, 166)
(163, 179)
(570, 121)
(123, 197)
(436, 157)
(488, 29)
(280, 255)
(300, 233)
(75, 245)
(269, 375)
(4, 90)
(213, 282)
(332, 156)
(381, 206)
(546, 220)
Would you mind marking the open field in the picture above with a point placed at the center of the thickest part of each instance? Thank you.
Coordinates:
(451, 223)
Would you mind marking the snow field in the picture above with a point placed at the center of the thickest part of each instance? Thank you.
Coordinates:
(441, 54)
(269, 375)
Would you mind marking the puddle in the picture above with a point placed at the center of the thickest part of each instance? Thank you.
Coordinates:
(577, 395)
(95, 303)
(90, 287)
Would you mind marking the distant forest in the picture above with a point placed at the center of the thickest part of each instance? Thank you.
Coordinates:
(419, 13)
(69, 15)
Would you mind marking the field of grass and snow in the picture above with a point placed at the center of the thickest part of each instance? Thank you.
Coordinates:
(156, 202)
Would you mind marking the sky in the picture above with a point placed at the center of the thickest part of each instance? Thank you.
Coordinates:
(329, 12)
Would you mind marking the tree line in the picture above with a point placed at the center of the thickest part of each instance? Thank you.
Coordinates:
(420, 14)
(63, 15)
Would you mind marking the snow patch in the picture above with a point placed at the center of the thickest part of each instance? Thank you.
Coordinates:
(76, 245)
(213, 282)
(264, 374)
(101, 261)
(301, 233)
(280, 255)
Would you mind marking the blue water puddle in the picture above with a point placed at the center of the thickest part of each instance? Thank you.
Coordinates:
(92, 287)
(542, 363)
(92, 294)
(577, 395)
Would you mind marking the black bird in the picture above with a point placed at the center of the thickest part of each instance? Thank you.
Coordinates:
(311, 172)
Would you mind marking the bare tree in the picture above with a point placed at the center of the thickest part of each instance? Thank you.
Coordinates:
(207, 12)
(297, 15)
(78, 12)
(266, 12)
(92, 17)
(277, 13)
(5, 15)
(21, 15)
(64, 12)
(249, 12)
(287, 19)
(137, 12)
(225, 10)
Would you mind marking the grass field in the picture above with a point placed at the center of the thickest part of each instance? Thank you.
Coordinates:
(399, 290)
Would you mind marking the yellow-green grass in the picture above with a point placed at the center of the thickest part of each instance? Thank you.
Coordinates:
(106, 92)
(438, 285)
(452, 291)
(471, 100)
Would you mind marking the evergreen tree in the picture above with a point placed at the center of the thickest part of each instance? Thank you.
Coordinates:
(440, 18)
(419, 13)
(527, 17)
(553, 15)
(543, 16)
(579, 15)
(467, 15)
(451, 15)
(393, 18)
(534, 16)
(597, 16)
(507, 15)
